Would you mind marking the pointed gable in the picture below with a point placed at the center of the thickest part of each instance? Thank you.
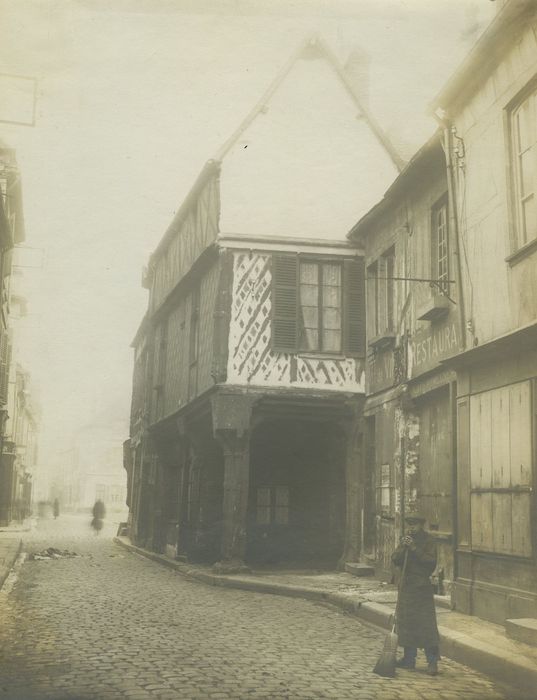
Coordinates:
(309, 159)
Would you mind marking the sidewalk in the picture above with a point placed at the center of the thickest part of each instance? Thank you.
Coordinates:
(469, 640)
(10, 547)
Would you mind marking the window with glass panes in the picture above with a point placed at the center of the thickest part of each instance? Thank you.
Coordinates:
(524, 133)
(272, 507)
(440, 245)
(320, 306)
(384, 489)
(381, 294)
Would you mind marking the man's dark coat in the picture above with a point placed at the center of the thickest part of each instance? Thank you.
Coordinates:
(416, 615)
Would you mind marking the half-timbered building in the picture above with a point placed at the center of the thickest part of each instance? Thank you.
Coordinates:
(249, 374)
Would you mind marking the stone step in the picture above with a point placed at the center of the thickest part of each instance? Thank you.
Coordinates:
(358, 569)
(523, 629)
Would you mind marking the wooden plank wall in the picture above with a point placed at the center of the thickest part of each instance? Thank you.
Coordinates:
(196, 232)
(182, 384)
(500, 458)
(208, 292)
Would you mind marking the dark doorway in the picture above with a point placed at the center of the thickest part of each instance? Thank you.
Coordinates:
(297, 494)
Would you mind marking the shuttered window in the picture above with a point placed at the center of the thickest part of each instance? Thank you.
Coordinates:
(284, 303)
(354, 307)
(317, 305)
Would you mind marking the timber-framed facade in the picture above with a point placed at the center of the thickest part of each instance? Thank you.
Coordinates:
(246, 426)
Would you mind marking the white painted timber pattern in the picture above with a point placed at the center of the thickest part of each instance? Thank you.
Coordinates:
(251, 358)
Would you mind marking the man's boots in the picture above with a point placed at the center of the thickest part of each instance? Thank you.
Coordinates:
(432, 668)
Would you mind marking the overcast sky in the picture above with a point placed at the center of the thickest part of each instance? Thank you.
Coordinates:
(134, 96)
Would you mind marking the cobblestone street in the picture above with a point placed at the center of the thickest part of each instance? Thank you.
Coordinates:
(110, 624)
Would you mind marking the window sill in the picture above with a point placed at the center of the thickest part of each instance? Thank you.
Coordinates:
(382, 342)
(436, 308)
(321, 355)
(521, 253)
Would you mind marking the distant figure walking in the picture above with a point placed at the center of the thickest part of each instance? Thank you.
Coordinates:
(56, 508)
(99, 511)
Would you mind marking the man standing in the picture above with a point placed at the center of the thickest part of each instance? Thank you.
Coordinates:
(416, 614)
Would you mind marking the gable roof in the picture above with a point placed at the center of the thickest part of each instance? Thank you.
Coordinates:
(312, 47)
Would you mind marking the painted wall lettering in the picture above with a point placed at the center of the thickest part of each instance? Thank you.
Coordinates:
(431, 345)
(381, 371)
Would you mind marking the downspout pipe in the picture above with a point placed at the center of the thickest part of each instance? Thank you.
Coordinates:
(454, 219)
(454, 226)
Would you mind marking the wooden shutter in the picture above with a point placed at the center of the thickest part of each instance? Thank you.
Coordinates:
(285, 303)
(354, 307)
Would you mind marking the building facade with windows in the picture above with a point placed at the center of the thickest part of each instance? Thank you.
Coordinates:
(451, 373)
(14, 480)
(490, 108)
(21, 439)
(413, 323)
(249, 376)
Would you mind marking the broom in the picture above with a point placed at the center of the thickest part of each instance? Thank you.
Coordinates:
(385, 666)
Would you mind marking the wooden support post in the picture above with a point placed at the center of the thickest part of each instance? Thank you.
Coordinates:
(231, 414)
(354, 492)
(236, 449)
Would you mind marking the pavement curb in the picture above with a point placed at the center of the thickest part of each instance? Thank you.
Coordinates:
(8, 561)
(461, 647)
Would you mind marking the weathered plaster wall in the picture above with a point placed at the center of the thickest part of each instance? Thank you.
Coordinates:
(499, 298)
(406, 227)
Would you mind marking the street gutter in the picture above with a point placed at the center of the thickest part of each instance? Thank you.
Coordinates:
(9, 552)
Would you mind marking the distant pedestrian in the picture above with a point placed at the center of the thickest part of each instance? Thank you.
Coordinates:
(56, 508)
(416, 614)
(99, 511)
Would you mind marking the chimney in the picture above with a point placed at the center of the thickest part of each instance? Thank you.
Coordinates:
(357, 70)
